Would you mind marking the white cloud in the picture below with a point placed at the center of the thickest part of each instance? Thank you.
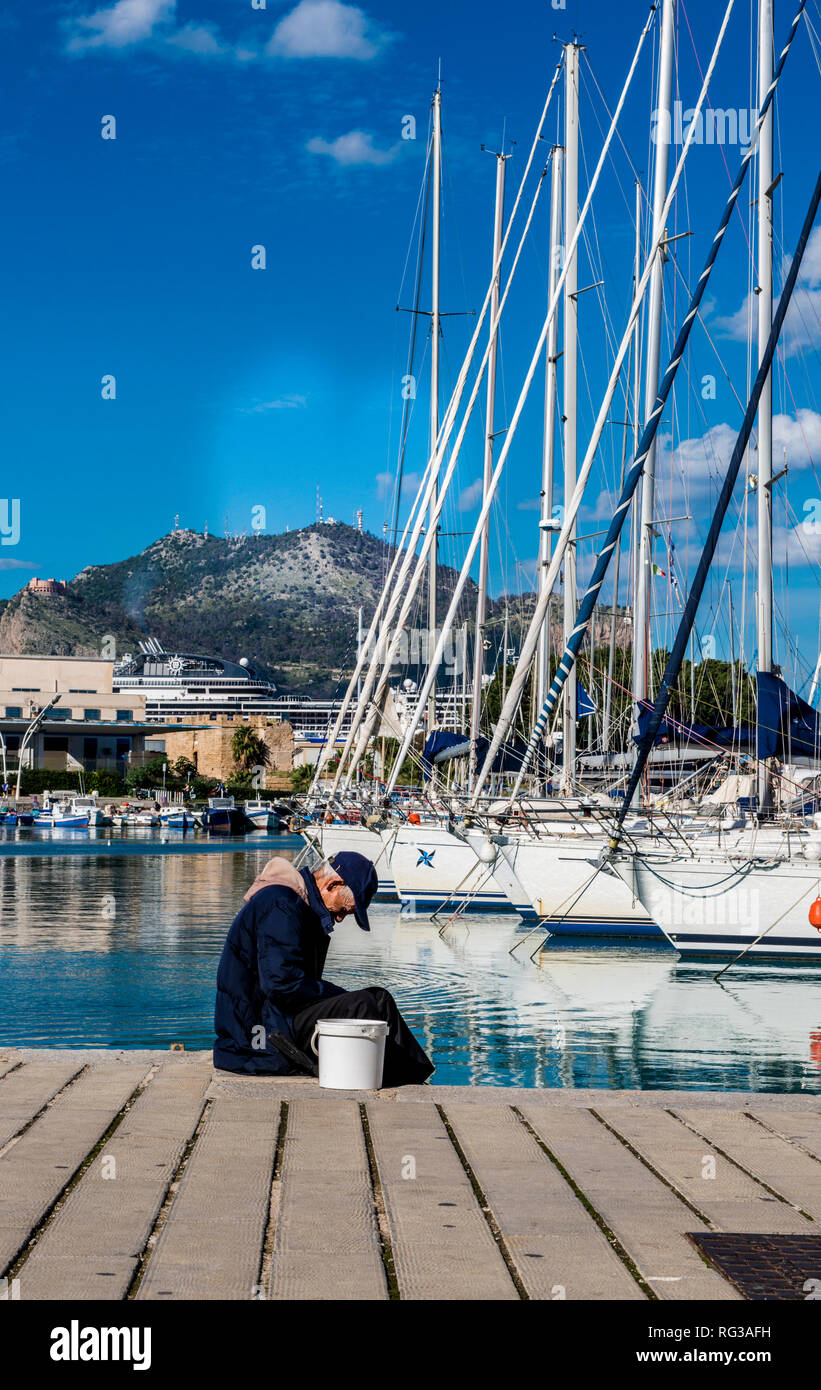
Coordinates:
(149, 23)
(280, 403)
(356, 147)
(802, 326)
(200, 39)
(314, 29)
(7, 564)
(386, 484)
(469, 496)
(125, 23)
(326, 29)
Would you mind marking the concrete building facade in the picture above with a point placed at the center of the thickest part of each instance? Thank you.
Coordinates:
(90, 727)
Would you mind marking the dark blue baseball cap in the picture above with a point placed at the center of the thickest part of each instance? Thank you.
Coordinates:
(359, 874)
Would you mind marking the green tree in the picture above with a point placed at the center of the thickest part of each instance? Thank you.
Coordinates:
(184, 770)
(150, 774)
(301, 778)
(248, 749)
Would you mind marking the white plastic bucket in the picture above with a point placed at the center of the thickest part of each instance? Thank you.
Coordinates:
(351, 1052)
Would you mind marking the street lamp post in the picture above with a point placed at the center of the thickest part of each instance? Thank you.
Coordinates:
(27, 737)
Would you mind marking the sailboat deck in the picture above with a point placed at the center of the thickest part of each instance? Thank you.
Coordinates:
(148, 1175)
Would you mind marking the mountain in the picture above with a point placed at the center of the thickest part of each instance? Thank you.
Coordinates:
(287, 602)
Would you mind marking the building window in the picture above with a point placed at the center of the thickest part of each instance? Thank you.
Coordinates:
(53, 743)
(124, 716)
(14, 711)
(91, 714)
(81, 690)
(89, 748)
(26, 689)
(13, 742)
(58, 713)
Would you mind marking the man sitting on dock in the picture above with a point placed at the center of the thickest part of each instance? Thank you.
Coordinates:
(270, 990)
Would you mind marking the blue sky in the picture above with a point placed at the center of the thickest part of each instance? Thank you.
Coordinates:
(238, 126)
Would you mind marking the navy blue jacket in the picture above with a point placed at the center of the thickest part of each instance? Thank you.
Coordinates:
(270, 968)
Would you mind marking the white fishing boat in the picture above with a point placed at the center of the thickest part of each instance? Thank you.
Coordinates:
(131, 816)
(87, 806)
(261, 813)
(176, 818)
(60, 819)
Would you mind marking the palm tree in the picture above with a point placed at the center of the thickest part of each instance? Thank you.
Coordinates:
(248, 749)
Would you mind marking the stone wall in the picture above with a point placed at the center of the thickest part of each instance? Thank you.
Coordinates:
(209, 747)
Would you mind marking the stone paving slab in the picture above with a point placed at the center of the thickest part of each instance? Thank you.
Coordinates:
(647, 1218)
(783, 1167)
(35, 1170)
(559, 1253)
(442, 1245)
(327, 1235)
(25, 1091)
(722, 1192)
(210, 1246)
(799, 1126)
(104, 1224)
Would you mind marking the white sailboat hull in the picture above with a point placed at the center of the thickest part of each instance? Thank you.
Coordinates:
(712, 905)
(557, 876)
(435, 869)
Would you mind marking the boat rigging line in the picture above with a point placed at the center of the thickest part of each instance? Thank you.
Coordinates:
(648, 436)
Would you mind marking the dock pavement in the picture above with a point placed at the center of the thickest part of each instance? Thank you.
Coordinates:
(149, 1175)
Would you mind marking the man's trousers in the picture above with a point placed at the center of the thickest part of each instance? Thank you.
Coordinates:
(405, 1062)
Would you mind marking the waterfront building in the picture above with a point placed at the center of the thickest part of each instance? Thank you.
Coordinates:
(91, 727)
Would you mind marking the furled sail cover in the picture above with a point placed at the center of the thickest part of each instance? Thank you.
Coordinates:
(444, 744)
(787, 726)
(678, 732)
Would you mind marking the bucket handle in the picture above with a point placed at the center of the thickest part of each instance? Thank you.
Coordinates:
(373, 1034)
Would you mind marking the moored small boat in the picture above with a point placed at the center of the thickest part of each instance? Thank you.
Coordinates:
(262, 814)
(177, 818)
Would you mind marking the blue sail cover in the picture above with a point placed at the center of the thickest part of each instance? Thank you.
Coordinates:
(677, 731)
(584, 704)
(444, 744)
(787, 726)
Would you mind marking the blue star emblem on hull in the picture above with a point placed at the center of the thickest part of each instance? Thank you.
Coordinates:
(426, 857)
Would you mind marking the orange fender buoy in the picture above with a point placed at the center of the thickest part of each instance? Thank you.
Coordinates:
(815, 914)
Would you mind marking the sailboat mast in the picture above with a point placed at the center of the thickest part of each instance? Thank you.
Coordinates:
(549, 436)
(570, 376)
(487, 473)
(641, 610)
(433, 558)
(765, 410)
(733, 673)
(635, 350)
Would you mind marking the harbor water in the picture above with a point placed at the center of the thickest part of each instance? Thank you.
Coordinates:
(112, 940)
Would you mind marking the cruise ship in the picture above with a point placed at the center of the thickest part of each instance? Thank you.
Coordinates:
(181, 686)
(184, 685)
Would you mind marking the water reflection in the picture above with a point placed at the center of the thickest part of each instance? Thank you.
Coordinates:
(119, 946)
